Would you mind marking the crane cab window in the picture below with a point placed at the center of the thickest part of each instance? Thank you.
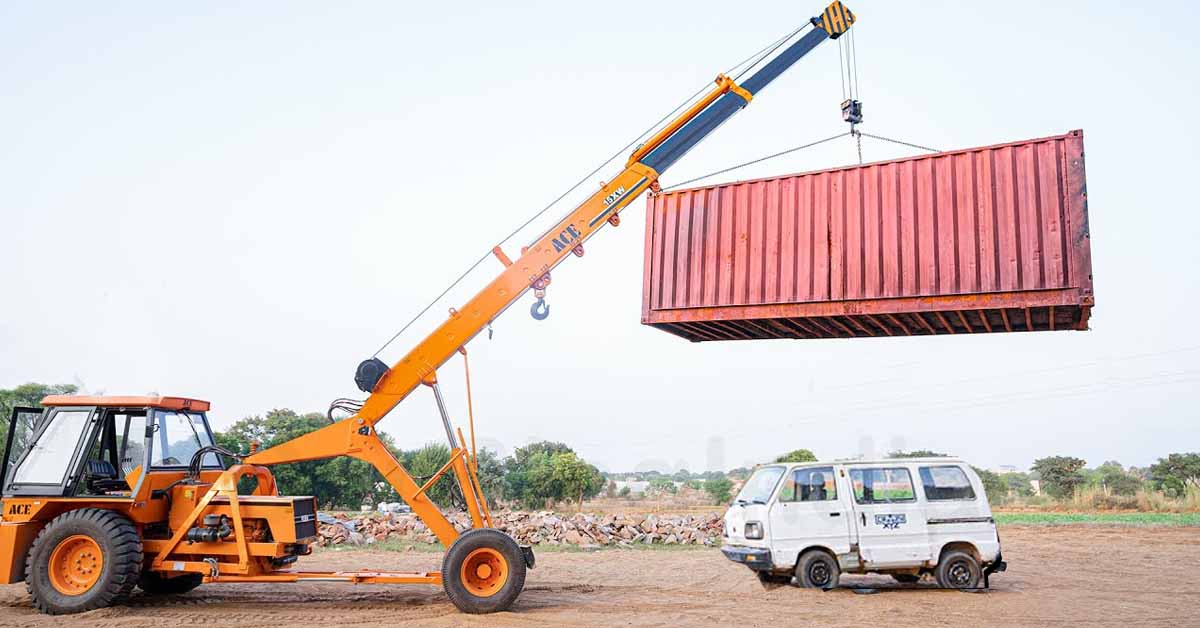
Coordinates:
(178, 436)
(48, 458)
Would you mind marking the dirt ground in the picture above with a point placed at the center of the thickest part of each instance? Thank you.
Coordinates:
(1058, 576)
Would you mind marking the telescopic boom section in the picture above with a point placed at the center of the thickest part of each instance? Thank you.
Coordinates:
(645, 166)
(642, 170)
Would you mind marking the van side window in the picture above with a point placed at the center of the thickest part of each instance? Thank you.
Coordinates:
(882, 486)
(944, 483)
(809, 485)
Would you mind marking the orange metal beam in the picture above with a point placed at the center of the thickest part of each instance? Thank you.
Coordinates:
(354, 577)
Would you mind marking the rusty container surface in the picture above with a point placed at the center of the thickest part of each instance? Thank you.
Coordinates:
(991, 239)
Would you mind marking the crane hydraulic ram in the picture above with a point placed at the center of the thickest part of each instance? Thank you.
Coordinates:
(82, 540)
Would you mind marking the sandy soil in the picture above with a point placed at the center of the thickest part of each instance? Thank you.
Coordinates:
(1058, 576)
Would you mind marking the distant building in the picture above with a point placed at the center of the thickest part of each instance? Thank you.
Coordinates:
(1004, 468)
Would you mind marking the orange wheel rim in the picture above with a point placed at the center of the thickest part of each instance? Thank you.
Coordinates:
(75, 565)
(484, 572)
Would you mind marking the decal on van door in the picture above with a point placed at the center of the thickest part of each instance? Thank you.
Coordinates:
(890, 522)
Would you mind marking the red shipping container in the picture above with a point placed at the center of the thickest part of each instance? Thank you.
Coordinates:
(990, 239)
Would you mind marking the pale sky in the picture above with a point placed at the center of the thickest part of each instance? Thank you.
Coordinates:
(240, 201)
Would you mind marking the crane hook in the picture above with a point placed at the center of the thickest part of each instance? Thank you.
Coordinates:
(540, 310)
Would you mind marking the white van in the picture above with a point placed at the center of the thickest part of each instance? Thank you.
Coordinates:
(903, 517)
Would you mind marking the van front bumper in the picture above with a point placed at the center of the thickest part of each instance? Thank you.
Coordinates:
(756, 559)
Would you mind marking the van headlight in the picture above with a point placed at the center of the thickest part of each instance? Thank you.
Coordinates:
(754, 530)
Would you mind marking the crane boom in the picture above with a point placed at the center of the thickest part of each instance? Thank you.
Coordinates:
(644, 168)
(355, 436)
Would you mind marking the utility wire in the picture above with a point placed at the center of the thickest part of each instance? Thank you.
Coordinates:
(758, 57)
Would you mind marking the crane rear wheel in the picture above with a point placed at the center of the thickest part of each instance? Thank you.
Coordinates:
(82, 560)
(483, 571)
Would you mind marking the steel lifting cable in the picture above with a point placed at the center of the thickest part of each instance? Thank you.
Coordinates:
(757, 58)
(842, 70)
(755, 161)
(902, 143)
(853, 49)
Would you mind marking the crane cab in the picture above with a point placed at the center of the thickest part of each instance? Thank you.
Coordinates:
(104, 493)
(100, 446)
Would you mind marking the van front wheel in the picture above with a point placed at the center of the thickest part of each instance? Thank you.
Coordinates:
(958, 570)
(817, 570)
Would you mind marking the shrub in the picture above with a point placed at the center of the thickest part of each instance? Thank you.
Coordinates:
(719, 490)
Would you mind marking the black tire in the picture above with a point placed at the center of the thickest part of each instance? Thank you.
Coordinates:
(502, 547)
(817, 570)
(958, 570)
(907, 578)
(154, 583)
(120, 553)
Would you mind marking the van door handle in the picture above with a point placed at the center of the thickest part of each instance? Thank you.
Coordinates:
(835, 514)
(864, 517)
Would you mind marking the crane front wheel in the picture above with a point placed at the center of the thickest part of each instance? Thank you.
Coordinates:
(82, 560)
(483, 571)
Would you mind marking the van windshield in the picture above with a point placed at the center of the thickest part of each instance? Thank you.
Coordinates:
(759, 487)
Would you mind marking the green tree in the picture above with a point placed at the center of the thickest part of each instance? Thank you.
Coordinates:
(1175, 473)
(1060, 475)
(719, 490)
(663, 485)
(491, 476)
(547, 472)
(740, 473)
(797, 455)
(1018, 484)
(426, 461)
(917, 453)
(993, 484)
(572, 476)
(1112, 477)
(624, 492)
(29, 396)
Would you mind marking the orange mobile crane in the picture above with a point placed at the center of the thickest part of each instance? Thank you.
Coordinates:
(105, 493)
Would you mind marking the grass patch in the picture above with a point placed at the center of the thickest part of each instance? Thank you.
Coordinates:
(1133, 519)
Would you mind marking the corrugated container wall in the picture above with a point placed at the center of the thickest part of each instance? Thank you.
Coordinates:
(989, 239)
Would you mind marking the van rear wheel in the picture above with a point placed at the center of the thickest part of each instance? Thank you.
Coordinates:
(817, 570)
(958, 570)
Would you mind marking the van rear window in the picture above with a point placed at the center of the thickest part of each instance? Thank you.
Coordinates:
(946, 483)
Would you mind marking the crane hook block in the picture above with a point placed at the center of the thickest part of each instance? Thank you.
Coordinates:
(369, 373)
(836, 20)
(540, 310)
